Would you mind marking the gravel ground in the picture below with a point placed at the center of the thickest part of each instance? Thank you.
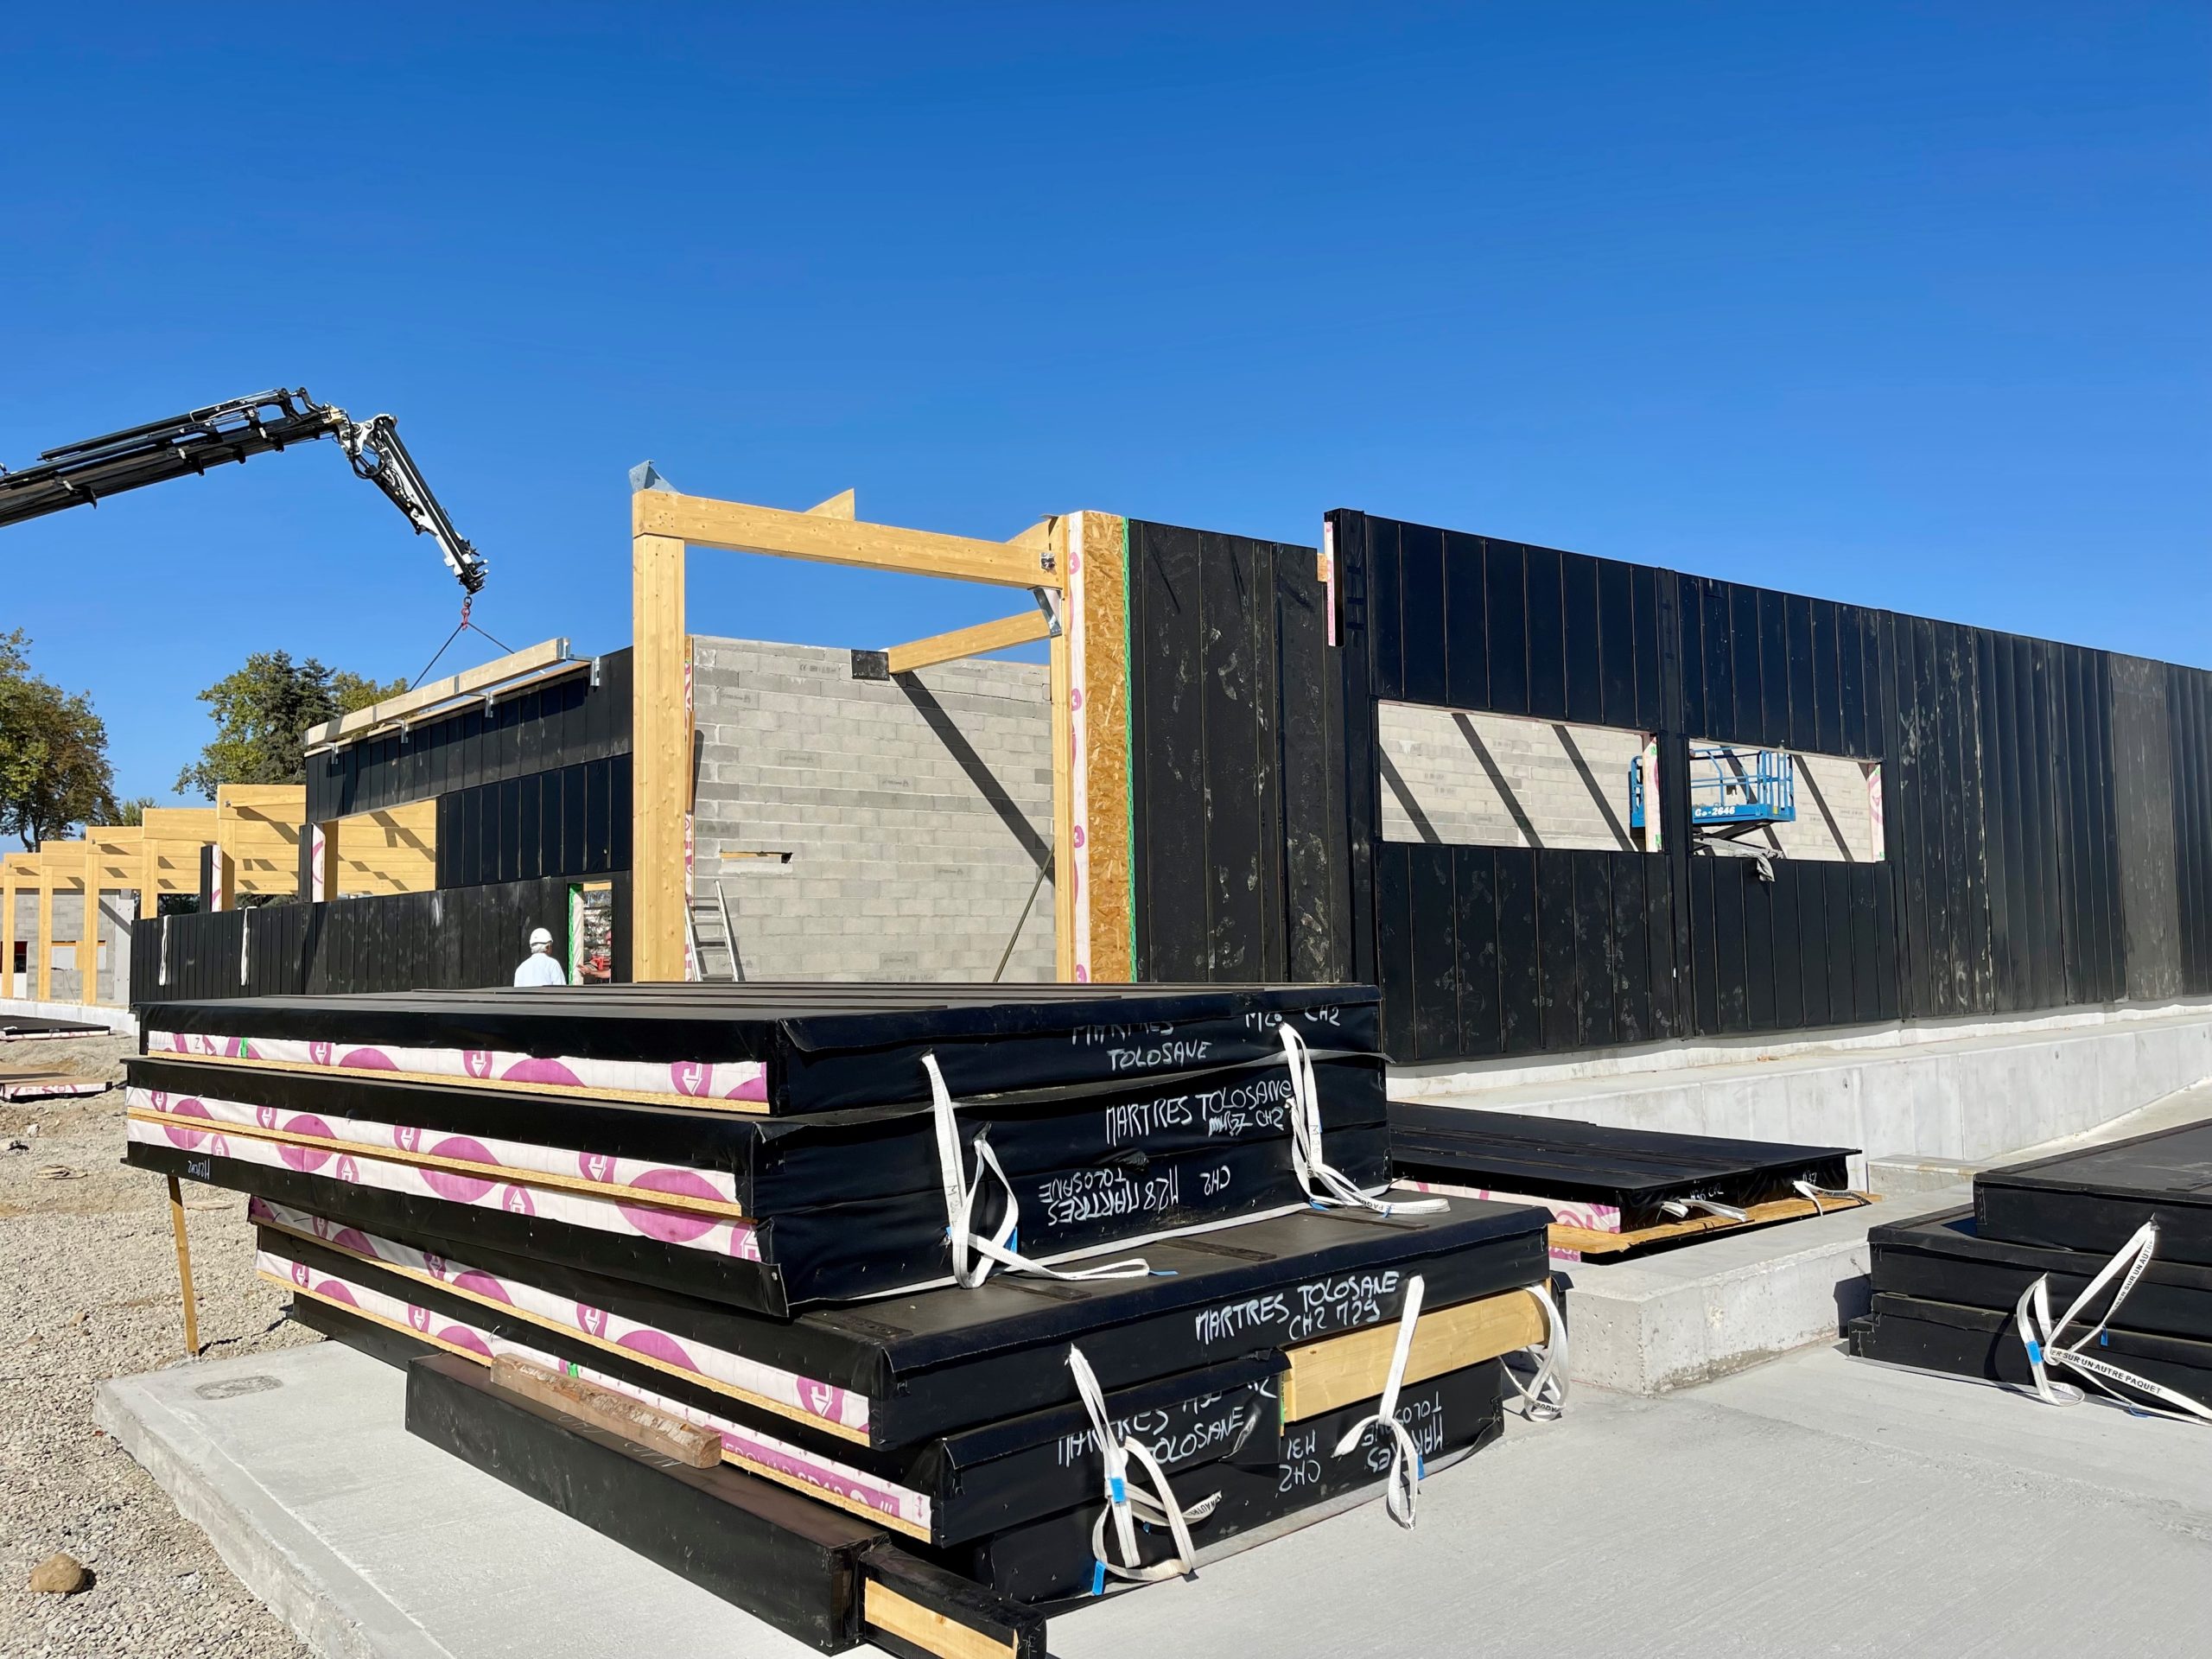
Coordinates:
(88, 1291)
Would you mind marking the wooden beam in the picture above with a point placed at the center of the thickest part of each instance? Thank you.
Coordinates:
(184, 1272)
(87, 955)
(837, 506)
(1098, 627)
(660, 743)
(1343, 1371)
(1023, 629)
(7, 927)
(926, 1629)
(545, 654)
(1063, 862)
(743, 529)
(43, 968)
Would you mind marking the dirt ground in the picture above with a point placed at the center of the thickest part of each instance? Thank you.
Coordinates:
(88, 1290)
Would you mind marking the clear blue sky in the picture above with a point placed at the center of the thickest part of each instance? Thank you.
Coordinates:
(1907, 305)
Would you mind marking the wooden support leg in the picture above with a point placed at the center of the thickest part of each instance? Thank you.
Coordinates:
(184, 1271)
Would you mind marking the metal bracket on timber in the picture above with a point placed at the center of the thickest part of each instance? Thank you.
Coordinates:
(1027, 628)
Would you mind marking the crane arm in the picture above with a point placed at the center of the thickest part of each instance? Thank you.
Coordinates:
(81, 474)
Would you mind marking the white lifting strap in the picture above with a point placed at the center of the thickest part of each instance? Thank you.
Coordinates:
(1807, 1190)
(2031, 1318)
(1545, 1392)
(1679, 1208)
(1337, 1191)
(1126, 1507)
(1003, 1247)
(1407, 1464)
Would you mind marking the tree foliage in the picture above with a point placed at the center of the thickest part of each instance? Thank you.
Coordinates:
(262, 715)
(54, 766)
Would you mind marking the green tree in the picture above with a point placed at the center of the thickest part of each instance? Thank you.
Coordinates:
(261, 714)
(54, 763)
(131, 813)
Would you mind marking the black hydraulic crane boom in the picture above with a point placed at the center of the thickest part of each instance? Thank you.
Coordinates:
(81, 474)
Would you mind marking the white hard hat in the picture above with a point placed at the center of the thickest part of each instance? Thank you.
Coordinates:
(538, 936)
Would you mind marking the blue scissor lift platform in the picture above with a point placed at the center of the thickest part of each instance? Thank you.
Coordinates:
(1732, 791)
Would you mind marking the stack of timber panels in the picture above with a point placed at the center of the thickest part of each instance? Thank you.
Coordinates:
(730, 1203)
(1615, 1192)
(1947, 1288)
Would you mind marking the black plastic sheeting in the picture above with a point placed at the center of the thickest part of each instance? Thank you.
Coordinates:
(978, 1481)
(2094, 1200)
(827, 1158)
(797, 1565)
(830, 1046)
(950, 1359)
(1942, 1258)
(1634, 1170)
(1051, 1560)
(835, 1252)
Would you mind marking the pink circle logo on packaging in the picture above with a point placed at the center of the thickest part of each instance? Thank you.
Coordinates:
(338, 1291)
(692, 1078)
(434, 1265)
(460, 1336)
(265, 1116)
(592, 1319)
(158, 1099)
(670, 1226)
(418, 1317)
(537, 1070)
(307, 1159)
(219, 1146)
(657, 1344)
(462, 1189)
(408, 1136)
(318, 1052)
(483, 1285)
(518, 1199)
(300, 1275)
(321, 1227)
(367, 1059)
(187, 1138)
(477, 1061)
(596, 1165)
(347, 1170)
(744, 1244)
(823, 1399)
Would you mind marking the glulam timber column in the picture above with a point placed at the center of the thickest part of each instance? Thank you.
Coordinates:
(660, 739)
(1097, 913)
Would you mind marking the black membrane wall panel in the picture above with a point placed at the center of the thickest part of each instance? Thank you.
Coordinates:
(1942, 1258)
(1237, 761)
(784, 1164)
(950, 1358)
(976, 1480)
(1053, 1559)
(573, 821)
(1985, 1343)
(2047, 810)
(1634, 1170)
(564, 722)
(2095, 1199)
(831, 1253)
(454, 939)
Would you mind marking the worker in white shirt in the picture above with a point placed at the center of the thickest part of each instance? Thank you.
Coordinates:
(539, 968)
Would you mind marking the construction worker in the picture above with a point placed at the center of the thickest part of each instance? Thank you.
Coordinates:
(539, 968)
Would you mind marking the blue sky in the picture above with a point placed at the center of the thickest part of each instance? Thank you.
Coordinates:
(1905, 305)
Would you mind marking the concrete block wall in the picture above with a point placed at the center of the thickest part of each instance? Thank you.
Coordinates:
(117, 909)
(1500, 780)
(917, 813)
(1836, 815)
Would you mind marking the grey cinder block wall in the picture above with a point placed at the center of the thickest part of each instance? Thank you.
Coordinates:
(916, 814)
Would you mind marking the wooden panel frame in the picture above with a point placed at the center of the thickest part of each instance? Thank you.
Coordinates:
(545, 654)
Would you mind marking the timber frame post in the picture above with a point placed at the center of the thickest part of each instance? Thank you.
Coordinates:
(663, 524)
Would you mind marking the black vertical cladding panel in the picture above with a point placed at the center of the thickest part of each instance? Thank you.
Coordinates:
(1774, 668)
(618, 774)
(1423, 622)
(1855, 684)
(1801, 667)
(575, 792)
(2046, 960)
(2001, 815)
(1308, 676)
(1561, 990)
(530, 846)
(1474, 898)
(1166, 643)
(2184, 737)
(1505, 625)
(1730, 950)
(2096, 797)
(1547, 636)
(1749, 725)
(1617, 633)
(1800, 944)
(2104, 782)
(1361, 777)
(1394, 947)
(509, 791)
(1755, 900)
(1465, 617)
(449, 847)
(1689, 657)
(1596, 965)
(1839, 885)
(1914, 750)
(2074, 853)
(1581, 625)
(598, 821)
(1975, 935)
(1667, 889)
(1666, 910)
(1520, 970)
(1230, 802)
(1828, 679)
(1644, 628)
(1956, 885)
(1630, 955)
(1435, 926)
(1717, 602)
(1386, 610)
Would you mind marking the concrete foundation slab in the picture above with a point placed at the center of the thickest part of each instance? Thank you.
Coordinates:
(1815, 1505)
